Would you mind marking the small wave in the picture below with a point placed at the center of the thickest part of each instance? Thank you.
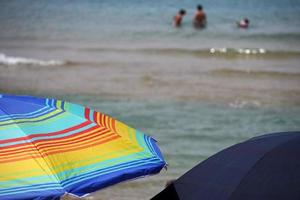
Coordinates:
(244, 103)
(238, 51)
(254, 73)
(221, 52)
(235, 53)
(16, 61)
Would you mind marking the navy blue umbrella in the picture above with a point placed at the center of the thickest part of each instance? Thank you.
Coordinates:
(262, 168)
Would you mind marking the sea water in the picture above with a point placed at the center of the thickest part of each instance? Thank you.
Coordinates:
(195, 91)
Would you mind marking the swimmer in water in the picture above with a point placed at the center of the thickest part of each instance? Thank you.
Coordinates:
(244, 23)
(178, 18)
(199, 18)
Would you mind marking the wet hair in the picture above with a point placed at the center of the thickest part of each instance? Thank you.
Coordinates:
(199, 7)
(246, 20)
(182, 12)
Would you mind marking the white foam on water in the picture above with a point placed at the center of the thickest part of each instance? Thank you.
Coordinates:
(251, 51)
(244, 103)
(11, 60)
(247, 51)
(218, 50)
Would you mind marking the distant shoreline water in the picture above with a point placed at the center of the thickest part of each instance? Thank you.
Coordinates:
(225, 53)
(273, 24)
(217, 53)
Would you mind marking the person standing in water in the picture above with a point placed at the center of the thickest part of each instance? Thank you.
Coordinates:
(244, 23)
(178, 18)
(199, 18)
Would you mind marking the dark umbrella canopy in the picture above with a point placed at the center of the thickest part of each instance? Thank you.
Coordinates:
(262, 168)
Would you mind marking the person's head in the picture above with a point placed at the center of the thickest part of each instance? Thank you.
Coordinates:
(246, 20)
(199, 7)
(182, 12)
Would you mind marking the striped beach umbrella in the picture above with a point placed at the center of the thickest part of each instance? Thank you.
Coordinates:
(50, 147)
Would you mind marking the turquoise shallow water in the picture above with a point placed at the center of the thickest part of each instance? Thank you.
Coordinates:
(187, 132)
(194, 130)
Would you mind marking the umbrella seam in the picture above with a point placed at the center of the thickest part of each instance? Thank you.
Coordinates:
(36, 149)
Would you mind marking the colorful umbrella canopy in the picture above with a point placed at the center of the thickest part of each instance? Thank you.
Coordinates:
(262, 168)
(49, 147)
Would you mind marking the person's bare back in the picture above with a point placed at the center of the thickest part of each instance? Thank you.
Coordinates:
(200, 18)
